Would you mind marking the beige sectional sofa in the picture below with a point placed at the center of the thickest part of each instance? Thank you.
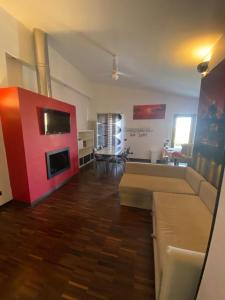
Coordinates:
(140, 180)
(182, 204)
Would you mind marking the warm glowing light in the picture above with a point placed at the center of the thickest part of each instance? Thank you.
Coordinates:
(196, 50)
(203, 53)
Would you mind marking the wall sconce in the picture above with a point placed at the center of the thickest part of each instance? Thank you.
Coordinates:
(203, 67)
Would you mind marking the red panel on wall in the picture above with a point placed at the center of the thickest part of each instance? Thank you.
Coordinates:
(150, 111)
(26, 146)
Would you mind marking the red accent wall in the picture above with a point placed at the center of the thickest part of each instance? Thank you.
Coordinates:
(26, 145)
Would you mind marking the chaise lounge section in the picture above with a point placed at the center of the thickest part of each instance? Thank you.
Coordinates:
(181, 227)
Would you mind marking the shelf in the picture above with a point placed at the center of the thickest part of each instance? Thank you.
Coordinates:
(88, 158)
(88, 131)
(86, 148)
(83, 165)
(85, 153)
(86, 140)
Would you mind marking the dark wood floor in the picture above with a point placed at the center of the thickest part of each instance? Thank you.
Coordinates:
(77, 244)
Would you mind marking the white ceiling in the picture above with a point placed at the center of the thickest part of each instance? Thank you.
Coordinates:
(154, 39)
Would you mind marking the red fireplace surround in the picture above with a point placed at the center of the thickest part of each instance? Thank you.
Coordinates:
(26, 145)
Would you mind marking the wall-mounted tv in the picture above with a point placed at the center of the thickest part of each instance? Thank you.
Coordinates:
(55, 121)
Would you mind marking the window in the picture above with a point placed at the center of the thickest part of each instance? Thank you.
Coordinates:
(183, 131)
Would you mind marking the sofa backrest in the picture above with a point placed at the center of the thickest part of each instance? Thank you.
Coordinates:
(155, 170)
(208, 195)
(194, 179)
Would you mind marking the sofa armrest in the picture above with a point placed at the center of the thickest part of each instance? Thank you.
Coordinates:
(181, 274)
(155, 170)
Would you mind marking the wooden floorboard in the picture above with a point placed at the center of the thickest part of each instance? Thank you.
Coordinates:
(77, 244)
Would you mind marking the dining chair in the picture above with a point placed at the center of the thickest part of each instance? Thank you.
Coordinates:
(100, 160)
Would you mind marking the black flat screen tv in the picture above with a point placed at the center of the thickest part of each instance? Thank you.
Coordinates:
(55, 121)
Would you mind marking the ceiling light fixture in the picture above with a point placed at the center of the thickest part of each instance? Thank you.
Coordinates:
(203, 67)
(205, 53)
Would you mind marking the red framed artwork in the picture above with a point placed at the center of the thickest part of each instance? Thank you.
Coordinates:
(153, 111)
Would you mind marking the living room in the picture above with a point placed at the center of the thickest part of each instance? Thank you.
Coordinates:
(87, 233)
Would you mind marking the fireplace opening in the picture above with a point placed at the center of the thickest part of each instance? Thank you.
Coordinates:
(57, 162)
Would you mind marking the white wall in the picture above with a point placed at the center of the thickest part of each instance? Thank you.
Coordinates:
(120, 99)
(29, 78)
(63, 92)
(14, 72)
(213, 282)
(17, 41)
(63, 71)
(69, 85)
(69, 95)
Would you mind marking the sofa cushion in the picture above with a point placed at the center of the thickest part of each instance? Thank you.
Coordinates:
(182, 221)
(136, 183)
(155, 170)
(208, 195)
(194, 179)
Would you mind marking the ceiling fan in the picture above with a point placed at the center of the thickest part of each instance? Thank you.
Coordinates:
(115, 73)
(115, 69)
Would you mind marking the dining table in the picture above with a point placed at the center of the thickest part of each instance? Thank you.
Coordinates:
(109, 151)
(109, 155)
(171, 154)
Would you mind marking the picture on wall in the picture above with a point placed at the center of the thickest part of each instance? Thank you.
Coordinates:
(210, 131)
(209, 145)
(152, 111)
